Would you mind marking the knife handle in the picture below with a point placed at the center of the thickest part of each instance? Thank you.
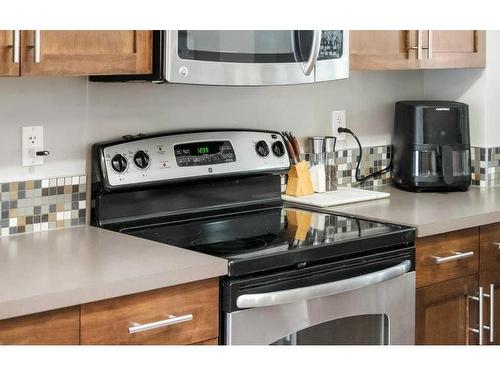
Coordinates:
(291, 152)
(296, 147)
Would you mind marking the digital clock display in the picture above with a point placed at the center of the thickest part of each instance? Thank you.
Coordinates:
(202, 150)
(204, 153)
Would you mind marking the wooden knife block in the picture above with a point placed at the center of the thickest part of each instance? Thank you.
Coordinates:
(299, 180)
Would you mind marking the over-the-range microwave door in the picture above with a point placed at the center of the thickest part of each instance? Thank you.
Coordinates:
(333, 59)
(242, 57)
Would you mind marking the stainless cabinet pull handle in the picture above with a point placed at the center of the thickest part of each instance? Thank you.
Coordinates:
(37, 47)
(172, 319)
(16, 47)
(479, 330)
(418, 48)
(492, 312)
(429, 45)
(451, 258)
(497, 244)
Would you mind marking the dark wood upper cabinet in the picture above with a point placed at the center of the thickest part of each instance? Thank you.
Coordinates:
(8, 66)
(67, 53)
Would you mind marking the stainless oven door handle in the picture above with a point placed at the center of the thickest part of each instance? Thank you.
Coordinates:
(309, 65)
(321, 290)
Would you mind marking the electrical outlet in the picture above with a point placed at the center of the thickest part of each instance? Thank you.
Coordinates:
(338, 121)
(31, 143)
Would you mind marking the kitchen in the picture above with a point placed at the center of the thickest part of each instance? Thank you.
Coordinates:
(134, 213)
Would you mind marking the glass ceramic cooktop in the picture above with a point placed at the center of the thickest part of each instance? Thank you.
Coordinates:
(252, 234)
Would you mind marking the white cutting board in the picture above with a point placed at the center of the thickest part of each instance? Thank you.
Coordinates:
(343, 195)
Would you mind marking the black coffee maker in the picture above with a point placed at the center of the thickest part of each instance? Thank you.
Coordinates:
(431, 146)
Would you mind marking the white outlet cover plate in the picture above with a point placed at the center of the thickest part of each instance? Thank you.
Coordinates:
(31, 142)
(338, 120)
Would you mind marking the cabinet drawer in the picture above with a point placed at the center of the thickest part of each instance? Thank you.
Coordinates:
(490, 247)
(195, 305)
(56, 327)
(447, 256)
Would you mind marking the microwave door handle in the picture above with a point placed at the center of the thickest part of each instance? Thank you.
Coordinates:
(322, 290)
(309, 65)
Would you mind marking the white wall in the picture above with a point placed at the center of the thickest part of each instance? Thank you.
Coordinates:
(60, 105)
(76, 113)
(117, 109)
(492, 92)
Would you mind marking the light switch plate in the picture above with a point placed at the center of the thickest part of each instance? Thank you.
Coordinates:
(31, 142)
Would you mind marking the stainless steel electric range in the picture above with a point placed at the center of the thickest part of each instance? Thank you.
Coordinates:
(296, 276)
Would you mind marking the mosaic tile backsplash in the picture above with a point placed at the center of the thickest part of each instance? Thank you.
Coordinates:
(374, 159)
(485, 166)
(40, 205)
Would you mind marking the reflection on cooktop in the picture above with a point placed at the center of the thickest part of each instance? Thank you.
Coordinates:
(261, 232)
(225, 246)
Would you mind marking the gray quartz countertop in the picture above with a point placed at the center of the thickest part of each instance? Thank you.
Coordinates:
(64, 267)
(431, 213)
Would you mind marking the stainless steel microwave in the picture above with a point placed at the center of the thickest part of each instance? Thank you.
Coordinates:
(246, 57)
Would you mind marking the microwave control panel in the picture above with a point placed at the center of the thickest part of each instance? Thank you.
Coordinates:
(331, 44)
(193, 155)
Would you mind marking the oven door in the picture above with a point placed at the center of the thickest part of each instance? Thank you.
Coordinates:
(371, 309)
(247, 57)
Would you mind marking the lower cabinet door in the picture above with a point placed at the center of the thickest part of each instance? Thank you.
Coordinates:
(56, 327)
(490, 281)
(447, 312)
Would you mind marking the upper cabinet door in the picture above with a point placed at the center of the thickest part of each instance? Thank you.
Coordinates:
(9, 53)
(86, 52)
(453, 49)
(384, 49)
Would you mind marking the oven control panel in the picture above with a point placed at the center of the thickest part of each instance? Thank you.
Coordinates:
(193, 155)
(204, 153)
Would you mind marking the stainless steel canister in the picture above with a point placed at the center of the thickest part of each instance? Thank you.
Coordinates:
(330, 164)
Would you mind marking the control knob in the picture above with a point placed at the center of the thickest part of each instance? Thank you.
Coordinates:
(119, 163)
(278, 149)
(141, 159)
(262, 148)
